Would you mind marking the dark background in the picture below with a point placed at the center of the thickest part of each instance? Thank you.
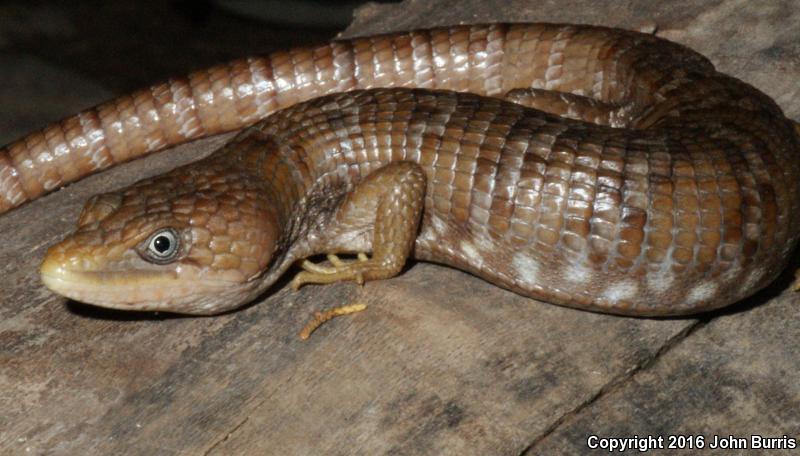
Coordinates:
(125, 45)
(58, 58)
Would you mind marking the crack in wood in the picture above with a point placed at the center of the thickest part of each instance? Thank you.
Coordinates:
(226, 437)
(617, 382)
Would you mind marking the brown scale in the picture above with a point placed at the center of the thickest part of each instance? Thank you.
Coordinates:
(643, 182)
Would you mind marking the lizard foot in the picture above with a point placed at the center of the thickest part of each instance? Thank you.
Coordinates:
(340, 271)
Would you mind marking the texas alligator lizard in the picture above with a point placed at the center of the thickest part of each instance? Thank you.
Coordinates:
(643, 183)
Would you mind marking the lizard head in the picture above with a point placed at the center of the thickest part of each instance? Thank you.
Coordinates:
(189, 241)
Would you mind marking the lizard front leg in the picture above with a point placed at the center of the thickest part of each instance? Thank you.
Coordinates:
(388, 205)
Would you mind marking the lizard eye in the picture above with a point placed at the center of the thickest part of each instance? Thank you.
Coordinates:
(162, 247)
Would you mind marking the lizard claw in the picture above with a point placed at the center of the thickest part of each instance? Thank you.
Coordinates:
(339, 271)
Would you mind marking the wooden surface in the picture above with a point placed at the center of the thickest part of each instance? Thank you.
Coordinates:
(440, 362)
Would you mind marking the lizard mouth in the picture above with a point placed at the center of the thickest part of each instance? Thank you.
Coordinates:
(127, 290)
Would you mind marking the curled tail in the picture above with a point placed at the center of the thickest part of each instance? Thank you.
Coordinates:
(482, 59)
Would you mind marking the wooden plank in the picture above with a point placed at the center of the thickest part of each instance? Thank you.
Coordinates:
(735, 376)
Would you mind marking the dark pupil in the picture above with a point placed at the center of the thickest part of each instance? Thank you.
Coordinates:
(161, 244)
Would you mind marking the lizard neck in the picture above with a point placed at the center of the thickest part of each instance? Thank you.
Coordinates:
(296, 198)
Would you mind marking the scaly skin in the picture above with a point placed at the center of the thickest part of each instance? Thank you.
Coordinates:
(644, 182)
